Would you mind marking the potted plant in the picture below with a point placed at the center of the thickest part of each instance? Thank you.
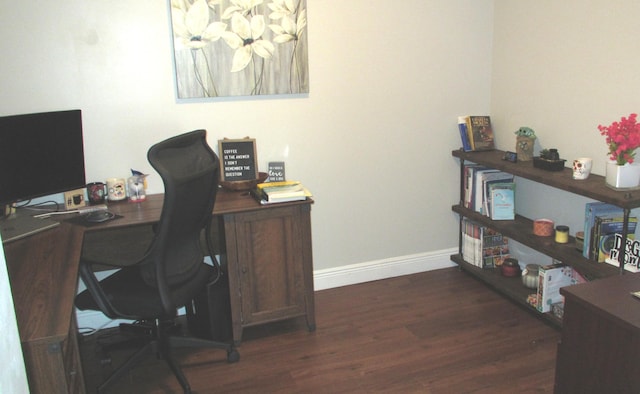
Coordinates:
(549, 160)
(524, 143)
(623, 138)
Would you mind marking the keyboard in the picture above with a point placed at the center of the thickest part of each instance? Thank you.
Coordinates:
(80, 210)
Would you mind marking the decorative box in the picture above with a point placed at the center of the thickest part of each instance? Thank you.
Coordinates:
(548, 165)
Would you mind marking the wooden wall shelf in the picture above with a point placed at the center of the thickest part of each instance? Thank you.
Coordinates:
(593, 187)
(521, 229)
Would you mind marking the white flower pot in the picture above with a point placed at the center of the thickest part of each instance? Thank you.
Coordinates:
(623, 177)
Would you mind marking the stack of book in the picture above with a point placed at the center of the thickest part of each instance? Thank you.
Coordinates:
(476, 133)
(283, 191)
(482, 246)
(603, 225)
(489, 191)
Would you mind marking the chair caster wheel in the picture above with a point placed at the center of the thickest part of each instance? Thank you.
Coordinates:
(233, 356)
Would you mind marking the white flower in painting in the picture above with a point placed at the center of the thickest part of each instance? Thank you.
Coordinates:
(191, 24)
(179, 4)
(240, 6)
(281, 8)
(288, 30)
(246, 38)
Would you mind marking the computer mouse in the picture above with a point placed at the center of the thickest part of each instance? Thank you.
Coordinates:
(99, 216)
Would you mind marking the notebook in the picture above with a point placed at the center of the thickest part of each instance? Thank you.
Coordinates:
(21, 225)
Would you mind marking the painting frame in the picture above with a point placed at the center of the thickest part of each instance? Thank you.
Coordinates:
(227, 48)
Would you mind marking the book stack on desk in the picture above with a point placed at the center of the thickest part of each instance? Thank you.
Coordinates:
(284, 191)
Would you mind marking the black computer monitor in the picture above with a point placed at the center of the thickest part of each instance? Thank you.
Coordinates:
(40, 154)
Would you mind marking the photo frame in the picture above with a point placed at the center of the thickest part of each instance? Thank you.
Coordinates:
(238, 158)
(510, 156)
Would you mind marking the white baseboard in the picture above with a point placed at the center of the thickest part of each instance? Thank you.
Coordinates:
(330, 278)
(382, 269)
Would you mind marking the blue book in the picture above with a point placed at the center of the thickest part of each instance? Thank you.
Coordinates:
(593, 210)
(464, 136)
(489, 180)
(502, 197)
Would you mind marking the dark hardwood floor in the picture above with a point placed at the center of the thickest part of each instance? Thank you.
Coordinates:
(435, 332)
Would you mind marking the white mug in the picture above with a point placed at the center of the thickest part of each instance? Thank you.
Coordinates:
(116, 189)
(582, 168)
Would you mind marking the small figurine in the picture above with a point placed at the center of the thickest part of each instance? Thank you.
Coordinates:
(137, 184)
(524, 143)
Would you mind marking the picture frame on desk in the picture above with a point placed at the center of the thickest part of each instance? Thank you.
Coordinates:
(238, 159)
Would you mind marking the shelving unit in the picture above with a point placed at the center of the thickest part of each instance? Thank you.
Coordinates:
(521, 229)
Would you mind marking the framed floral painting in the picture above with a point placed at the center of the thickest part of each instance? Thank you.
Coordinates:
(239, 47)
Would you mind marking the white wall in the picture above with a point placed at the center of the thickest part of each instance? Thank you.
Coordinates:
(563, 68)
(13, 377)
(372, 140)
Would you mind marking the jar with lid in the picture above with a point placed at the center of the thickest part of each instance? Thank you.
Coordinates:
(562, 234)
(530, 276)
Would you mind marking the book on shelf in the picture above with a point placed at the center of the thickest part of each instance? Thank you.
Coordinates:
(479, 132)
(478, 192)
(604, 231)
(469, 182)
(593, 210)
(551, 278)
(495, 248)
(464, 136)
(482, 246)
(283, 191)
(489, 179)
(471, 242)
(477, 183)
(501, 201)
(631, 256)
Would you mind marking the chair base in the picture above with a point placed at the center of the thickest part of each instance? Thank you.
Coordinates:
(161, 343)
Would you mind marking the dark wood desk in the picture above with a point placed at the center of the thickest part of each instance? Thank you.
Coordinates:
(43, 271)
(600, 343)
(266, 249)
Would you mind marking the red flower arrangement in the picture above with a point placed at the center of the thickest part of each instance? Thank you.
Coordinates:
(623, 139)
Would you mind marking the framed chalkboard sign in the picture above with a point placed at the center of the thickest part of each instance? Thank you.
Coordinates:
(238, 159)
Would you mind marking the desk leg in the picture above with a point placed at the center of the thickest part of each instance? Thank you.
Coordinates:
(307, 267)
(229, 257)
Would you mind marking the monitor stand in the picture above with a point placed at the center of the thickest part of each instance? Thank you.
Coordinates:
(21, 224)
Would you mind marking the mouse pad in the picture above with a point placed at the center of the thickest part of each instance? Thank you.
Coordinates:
(81, 220)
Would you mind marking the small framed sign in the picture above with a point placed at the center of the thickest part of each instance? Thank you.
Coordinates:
(276, 171)
(238, 159)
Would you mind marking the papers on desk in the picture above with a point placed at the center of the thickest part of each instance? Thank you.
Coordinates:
(277, 192)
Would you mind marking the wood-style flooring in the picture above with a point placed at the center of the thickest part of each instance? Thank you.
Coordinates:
(434, 332)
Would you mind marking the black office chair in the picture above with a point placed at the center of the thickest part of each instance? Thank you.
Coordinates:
(173, 271)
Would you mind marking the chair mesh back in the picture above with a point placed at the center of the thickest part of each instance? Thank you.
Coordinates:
(190, 173)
